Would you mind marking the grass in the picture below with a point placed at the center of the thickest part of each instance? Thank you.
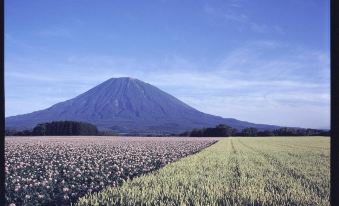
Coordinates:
(234, 171)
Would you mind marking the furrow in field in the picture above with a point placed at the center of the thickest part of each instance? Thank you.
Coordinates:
(234, 175)
(235, 168)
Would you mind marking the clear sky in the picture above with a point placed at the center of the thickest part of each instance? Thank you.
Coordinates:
(261, 61)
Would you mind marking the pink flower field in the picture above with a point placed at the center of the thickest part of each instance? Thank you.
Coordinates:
(59, 170)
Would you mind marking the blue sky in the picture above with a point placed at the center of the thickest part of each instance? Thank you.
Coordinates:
(261, 61)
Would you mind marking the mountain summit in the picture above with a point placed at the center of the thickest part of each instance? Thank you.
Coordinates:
(128, 105)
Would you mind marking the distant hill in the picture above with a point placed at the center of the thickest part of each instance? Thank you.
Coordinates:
(127, 105)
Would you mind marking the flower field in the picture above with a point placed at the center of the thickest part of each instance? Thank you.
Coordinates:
(59, 170)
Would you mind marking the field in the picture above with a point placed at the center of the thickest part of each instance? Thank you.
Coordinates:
(136, 171)
(59, 170)
(234, 171)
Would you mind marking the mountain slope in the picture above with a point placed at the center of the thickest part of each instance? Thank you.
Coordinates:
(128, 105)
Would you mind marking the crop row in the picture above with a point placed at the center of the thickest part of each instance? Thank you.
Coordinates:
(50, 170)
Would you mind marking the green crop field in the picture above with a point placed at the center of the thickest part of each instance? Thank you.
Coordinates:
(234, 171)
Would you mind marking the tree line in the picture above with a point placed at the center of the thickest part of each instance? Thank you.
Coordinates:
(68, 128)
(223, 130)
(57, 128)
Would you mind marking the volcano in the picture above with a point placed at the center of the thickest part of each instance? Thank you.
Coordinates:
(127, 105)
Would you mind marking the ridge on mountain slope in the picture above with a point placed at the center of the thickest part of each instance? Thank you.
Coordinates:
(128, 105)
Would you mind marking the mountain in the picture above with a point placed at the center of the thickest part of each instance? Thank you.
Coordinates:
(127, 105)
